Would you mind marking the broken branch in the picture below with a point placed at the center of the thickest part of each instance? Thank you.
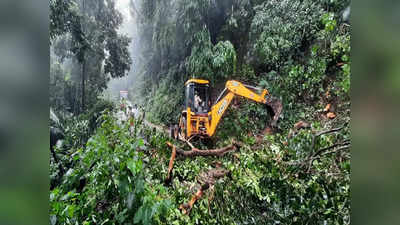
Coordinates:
(187, 207)
(190, 144)
(329, 131)
(322, 133)
(342, 145)
(209, 152)
(337, 150)
(171, 166)
(330, 147)
(206, 180)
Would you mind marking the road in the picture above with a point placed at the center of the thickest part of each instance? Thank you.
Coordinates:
(123, 117)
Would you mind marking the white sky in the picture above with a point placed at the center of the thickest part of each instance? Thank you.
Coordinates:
(128, 25)
(123, 7)
(128, 28)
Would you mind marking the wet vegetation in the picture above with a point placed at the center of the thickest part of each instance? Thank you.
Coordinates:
(107, 171)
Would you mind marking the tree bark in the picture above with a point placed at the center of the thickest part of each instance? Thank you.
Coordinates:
(83, 83)
(83, 65)
(209, 152)
(171, 166)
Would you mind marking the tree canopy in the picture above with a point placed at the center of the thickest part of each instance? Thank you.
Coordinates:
(86, 33)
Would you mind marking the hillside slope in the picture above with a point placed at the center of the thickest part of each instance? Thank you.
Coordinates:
(118, 177)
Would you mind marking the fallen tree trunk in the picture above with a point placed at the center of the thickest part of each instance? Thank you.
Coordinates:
(196, 152)
(206, 180)
(209, 152)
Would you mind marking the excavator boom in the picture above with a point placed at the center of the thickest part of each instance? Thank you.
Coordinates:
(233, 88)
(200, 119)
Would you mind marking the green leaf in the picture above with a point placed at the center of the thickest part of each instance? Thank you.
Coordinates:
(134, 166)
(138, 215)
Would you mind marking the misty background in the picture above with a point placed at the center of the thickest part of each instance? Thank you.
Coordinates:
(128, 27)
(24, 85)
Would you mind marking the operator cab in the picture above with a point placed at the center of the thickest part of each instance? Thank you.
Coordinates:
(197, 96)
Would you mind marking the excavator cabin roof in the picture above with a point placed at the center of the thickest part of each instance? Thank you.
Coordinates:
(197, 81)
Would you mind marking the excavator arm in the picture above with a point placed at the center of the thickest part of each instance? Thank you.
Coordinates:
(233, 88)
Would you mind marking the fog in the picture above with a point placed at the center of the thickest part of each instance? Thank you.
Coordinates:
(129, 28)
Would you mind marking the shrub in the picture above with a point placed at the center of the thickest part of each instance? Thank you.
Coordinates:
(108, 183)
(279, 28)
(96, 111)
(214, 63)
(340, 50)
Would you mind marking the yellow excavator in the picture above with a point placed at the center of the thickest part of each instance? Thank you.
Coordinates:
(200, 118)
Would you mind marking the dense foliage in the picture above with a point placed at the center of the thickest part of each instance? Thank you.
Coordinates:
(107, 181)
(299, 50)
(114, 172)
(117, 177)
(86, 50)
(280, 29)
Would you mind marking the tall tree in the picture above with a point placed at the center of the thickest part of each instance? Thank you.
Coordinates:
(90, 28)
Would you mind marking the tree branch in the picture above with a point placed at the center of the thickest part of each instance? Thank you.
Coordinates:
(337, 150)
(344, 145)
(330, 147)
(206, 180)
(324, 132)
(210, 152)
(170, 166)
(190, 144)
(329, 131)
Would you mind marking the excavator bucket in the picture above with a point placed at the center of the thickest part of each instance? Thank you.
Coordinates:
(274, 107)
